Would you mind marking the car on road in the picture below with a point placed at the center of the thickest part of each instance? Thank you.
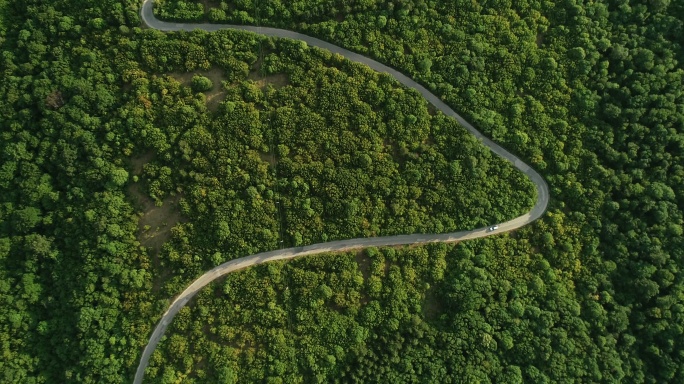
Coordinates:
(493, 228)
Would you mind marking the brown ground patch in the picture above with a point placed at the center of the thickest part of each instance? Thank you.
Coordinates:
(268, 158)
(160, 219)
(277, 81)
(137, 162)
(154, 227)
(363, 262)
(215, 94)
(209, 4)
(155, 223)
(432, 307)
(214, 98)
(256, 67)
(184, 78)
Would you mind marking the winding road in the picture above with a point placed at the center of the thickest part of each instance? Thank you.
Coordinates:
(342, 245)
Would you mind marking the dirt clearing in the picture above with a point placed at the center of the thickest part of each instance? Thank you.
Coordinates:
(277, 81)
(432, 306)
(363, 261)
(215, 95)
(155, 222)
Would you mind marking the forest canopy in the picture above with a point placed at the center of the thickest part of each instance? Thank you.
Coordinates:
(589, 94)
(133, 160)
(120, 183)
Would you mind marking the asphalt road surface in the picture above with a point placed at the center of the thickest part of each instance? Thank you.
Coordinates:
(342, 245)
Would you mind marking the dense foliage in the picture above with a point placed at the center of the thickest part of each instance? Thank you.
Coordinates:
(591, 93)
(108, 151)
(329, 150)
(74, 285)
(480, 311)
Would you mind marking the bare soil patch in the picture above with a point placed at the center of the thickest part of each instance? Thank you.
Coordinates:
(363, 261)
(215, 75)
(155, 223)
(154, 227)
(137, 162)
(184, 78)
(209, 4)
(432, 307)
(256, 67)
(215, 94)
(268, 158)
(277, 81)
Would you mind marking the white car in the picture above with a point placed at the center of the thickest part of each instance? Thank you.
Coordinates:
(493, 228)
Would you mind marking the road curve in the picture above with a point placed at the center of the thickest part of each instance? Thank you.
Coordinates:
(342, 245)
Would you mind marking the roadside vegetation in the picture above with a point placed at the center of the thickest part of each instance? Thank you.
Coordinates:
(589, 93)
